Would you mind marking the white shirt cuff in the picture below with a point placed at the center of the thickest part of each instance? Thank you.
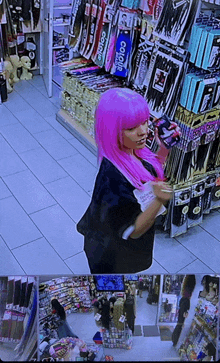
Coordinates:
(128, 231)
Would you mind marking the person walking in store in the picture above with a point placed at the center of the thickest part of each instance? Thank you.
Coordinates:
(140, 286)
(187, 288)
(64, 329)
(130, 190)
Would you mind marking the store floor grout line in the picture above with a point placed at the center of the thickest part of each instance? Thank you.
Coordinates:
(47, 177)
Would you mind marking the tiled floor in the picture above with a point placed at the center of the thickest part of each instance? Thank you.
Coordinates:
(47, 177)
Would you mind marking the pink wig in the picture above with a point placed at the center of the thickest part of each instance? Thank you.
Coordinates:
(120, 109)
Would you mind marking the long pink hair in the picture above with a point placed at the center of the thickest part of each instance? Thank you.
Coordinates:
(120, 109)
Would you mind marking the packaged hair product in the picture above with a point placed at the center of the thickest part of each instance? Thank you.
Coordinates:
(195, 214)
(180, 209)
(207, 196)
(215, 203)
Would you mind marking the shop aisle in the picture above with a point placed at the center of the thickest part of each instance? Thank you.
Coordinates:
(46, 182)
(143, 348)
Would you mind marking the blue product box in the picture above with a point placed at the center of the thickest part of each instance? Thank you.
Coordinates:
(202, 46)
(216, 98)
(186, 88)
(196, 40)
(211, 58)
(204, 96)
(197, 78)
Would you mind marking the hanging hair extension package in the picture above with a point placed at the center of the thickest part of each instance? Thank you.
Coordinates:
(176, 16)
(215, 203)
(85, 30)
(163, 79)
(189, 144)
(205, 94)
(124, 42)
(93, 27)
(180, 208)
(207, 197)
(135, 44)
(195, 214)
(207, 132)
(76, 24)
(211, 58)
(103, 32)
(141, 59)
(3, 19)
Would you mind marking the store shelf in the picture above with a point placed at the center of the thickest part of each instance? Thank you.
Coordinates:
(61, 24)
(78, 131)
(59, 47)
(62, 7)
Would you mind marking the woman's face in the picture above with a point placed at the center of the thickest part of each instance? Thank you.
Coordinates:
(135, 138)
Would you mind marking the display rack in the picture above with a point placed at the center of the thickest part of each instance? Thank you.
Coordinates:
(115, 338)
(81, 91)
(60, 49)
(18, 315)
(203, 330)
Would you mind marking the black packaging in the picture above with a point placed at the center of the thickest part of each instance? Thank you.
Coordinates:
(3, 89)
(180, 209)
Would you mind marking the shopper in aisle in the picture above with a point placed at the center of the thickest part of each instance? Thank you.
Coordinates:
(210, 352)
(129, 192)
(140, 286)
(187, 288)
(64, 329)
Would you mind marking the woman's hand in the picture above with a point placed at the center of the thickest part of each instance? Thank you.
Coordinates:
(162, 191)
(185, 314)
(173, 126)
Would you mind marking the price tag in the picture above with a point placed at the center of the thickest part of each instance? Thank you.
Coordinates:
(145, 197)
(122, 319)
(97, 316)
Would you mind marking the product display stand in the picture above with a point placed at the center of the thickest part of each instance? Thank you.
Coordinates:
(115, 338)
(18, 322)
(203, 330)
(158, 61)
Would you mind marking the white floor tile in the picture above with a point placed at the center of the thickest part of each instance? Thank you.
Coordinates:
(59, 230)
(78, 264)
(42, 259)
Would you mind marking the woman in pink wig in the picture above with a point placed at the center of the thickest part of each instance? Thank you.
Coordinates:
(129, 192)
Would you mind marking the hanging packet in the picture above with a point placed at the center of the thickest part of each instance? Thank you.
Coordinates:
(85, 29)
(103, 33)
(141, 59)
(179, 214)
(76, 24)
(123, 43)
(135, 42)
(207, 197)
(93, 26)
(110, 53)
(211, 58)
(215, 203)
(205, 94)
(195, 213)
